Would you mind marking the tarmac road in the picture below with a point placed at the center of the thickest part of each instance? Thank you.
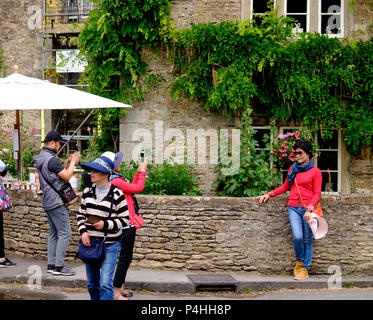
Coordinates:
(22, 292)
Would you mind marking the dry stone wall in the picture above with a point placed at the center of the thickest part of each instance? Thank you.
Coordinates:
(216, 233)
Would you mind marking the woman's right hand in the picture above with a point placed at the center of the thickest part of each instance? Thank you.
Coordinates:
(263, 198)
(143, 166)
(86, 239)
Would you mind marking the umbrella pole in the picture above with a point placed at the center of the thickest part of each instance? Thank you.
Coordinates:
(84, 121)
(19, 160)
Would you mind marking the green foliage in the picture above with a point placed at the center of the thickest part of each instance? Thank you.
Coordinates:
(358, 114)
(112, 41)
(30, 146)
(321, 82)
(217, 63)
(165, 179)
(255, 173)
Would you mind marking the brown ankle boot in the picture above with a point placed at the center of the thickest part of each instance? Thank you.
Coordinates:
(297, 268)
(302, 274)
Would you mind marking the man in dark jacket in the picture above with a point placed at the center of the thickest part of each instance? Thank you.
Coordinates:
(50, 168)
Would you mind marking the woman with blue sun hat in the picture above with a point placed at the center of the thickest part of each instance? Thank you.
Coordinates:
(93, 221)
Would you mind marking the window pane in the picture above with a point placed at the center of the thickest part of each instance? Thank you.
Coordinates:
(331, 24)
(259, 137)
(297, 6)
(285, 131)
(328, 160)
(331, 143)
(260, 6)
(258, 20)
(329, 182)
(330, 6)
(300, 19)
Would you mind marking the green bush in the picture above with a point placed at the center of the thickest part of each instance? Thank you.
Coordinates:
(254, 173)
(165, 179)
(30, 146)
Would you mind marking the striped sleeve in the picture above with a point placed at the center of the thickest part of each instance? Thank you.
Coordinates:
(120, 214)
(81, 215)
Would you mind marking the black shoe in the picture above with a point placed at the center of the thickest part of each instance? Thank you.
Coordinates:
(7, 263)
(63, 271)
(50, 268)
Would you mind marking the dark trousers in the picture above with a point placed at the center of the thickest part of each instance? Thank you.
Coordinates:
(125, 256)
(2, 253)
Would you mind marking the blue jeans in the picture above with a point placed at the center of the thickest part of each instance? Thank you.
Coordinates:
(302, 236)
(59, 235)
(100, 276)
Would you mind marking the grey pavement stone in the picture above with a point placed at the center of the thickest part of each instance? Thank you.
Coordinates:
(27, 271)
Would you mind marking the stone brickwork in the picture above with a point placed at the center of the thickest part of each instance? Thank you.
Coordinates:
(216, 234)
(204, 11)
(362, 24)
(20, 39)
(362, 176)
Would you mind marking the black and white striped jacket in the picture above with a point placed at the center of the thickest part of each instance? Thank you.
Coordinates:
(90, 207)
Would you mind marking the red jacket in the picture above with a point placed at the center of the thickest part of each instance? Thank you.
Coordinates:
(136, 186)
(309, 183)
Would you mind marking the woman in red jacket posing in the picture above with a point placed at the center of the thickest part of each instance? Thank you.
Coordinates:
(129, 232)
(308, 178)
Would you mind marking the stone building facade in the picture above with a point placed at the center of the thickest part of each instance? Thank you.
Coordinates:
(22, 46)
(215, 234)
(158, 119)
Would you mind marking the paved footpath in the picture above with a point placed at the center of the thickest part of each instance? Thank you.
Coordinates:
(33, 272)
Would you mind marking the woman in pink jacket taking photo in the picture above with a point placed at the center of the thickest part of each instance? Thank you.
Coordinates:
(129, 232)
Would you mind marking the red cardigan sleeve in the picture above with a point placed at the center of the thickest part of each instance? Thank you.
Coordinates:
(136, 186)
(282, 189)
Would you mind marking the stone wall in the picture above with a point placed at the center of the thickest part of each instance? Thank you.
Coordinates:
(216, 234)
(362, 20)
(20, 39)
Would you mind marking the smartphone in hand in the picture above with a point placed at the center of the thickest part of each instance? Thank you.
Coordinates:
(93, 219)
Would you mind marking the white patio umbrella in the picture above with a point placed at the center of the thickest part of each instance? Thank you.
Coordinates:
(19, 92)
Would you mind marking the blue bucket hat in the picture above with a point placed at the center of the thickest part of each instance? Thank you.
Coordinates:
(102, 164)
(115, 157)
(118, 159)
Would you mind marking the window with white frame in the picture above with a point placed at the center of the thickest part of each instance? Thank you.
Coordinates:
(300, 11)
(262, 135)
(259, 9)
(328, 160)
(331, 17)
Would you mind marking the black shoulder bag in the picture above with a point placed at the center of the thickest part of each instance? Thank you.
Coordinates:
(66, 192)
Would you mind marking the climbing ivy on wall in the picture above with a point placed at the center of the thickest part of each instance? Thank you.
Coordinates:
(112, 41)
(322, 82)
(234, 68)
